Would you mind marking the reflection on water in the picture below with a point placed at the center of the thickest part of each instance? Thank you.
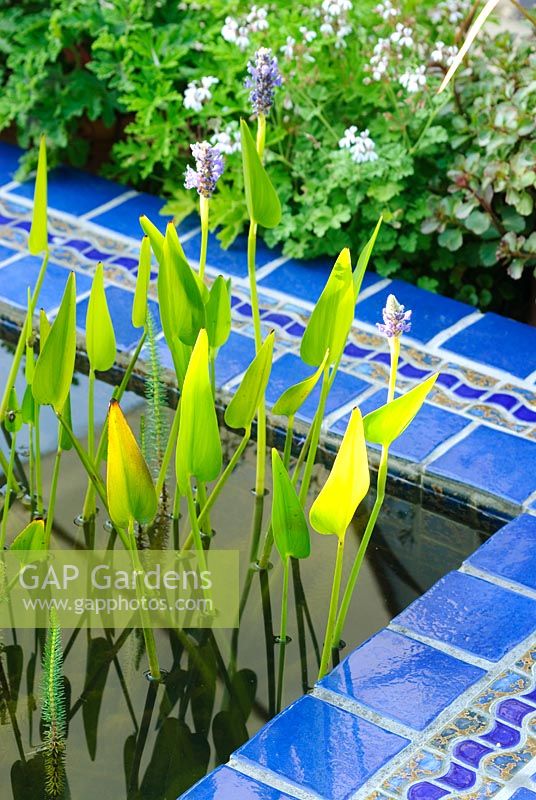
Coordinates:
(129, 738)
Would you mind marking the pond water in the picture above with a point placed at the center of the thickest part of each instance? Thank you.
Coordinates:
(129, 738)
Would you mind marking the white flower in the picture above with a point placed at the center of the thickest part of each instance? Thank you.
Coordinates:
(412, 81)
(361, 147)
(228, 140)
(308, 35)
(443, 54)
(230, 29)
(402, 35)
(327, 29)
(257, 19)
(197, 93)
(386, 10)
(288, 47)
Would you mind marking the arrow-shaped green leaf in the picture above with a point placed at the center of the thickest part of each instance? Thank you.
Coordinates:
(386, 423)
(247, 398)
(292, 399)
(100, 336)
(262, 201)
(291, 533)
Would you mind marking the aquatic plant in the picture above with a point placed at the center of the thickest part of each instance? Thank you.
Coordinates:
(53, 710)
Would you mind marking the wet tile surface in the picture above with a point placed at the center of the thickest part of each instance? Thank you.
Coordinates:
(74, 192)
(397, 677)
(323, 748)
(228, 784)
(511, 552)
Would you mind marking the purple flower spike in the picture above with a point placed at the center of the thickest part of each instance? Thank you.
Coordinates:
(396, 320)
(264, 77)
(209, 168)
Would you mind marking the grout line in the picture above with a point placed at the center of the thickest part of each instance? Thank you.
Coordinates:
(116, 201)
(8, 187)
(531, 377)
(449, 443)
(452, 330)
(341, 411)
(357, 708)
(504, 583)
(270, 267)
(270, 778)
(15, 257)
(529, 501)
(373, 289)
(448, 649)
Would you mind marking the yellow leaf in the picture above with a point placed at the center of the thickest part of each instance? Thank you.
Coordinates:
(347, 483)
(129, 486)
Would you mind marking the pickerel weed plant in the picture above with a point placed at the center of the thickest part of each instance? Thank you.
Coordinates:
(195, 313)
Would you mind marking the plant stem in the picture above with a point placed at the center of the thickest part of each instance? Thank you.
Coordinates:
(89, 505)
(9, 477)
(52, 498)
(148, 633)
(282, 634)
(204, 203)
(88, 465)
(38, 472)
(288, 442)
(172, 439)
(192, 511)
(315, 437)
(333, 603)
(222, 480)
(261, 413)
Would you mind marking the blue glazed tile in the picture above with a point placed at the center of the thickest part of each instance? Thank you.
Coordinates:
(6, 252)
(290, 369)
(469, 391)
(409, 371)
(401, 678)
(306, 279)
(128, 263)
(17, 276)
(472, 614)
(125, 218)
(74, 191)
(431, 312)
(523, 794)
(234, 357)
(458, 777)
(511, 552)
(498, 342)
(525, 414)
(448, 380)
(78, 244)
(491, 460)
(97, 255)
(502, 736)
(426, 791)
(431, 426)
(232, 261)
(353, 351)
(323, 748)
(228, 784)
(504, 400)
(471, 752)
(9, 161)
(120, 306)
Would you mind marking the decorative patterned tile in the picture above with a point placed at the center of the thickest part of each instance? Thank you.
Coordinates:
(18, 275)
(228, 784)
(398, 677)
(120, 305)
(435, 313)
(232, 261)
(430, 428)
(6, 252)
(322, 748)
(511, 552)
(493, 461)
(73, 191)
(124, 218)
(234, 357)
(523, 794)
(498, 342)
(479, 617)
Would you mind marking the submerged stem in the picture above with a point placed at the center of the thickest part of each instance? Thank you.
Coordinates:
(333, 603)
(9, 478)
(282, 634)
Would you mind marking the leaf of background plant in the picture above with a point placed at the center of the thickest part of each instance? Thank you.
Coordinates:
(386, 423)
(218, 312)
(31, 538)
(295, 396)
(363, 260)
(262, 201)
(38, 238)
(182, 309)
(129, 486)
(29, 365)
(155, 237)
(332, 315)
(139, 306)
(291, 533)
(471, 35)
(198, 451)
(100, 336)
(247, 398)
(55, 366)
(98, 662)
(28, 406)
(64, 440)
(44, 328)
(347, 483)
(13, 417)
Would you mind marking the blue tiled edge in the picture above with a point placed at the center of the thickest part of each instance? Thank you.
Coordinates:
(439, 703)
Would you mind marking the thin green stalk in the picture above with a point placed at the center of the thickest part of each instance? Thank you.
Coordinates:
(287, 451)
(315, 437)
(21, 344)
(172, 439)
(333, 603)
(222, 480)
(204, 203)
(175, 516)
(192, 512)
(148, 633)
(38, 471)
(88, 465)
(89, 505)
(381, 482)
(31, 465)
(282, 634)
(261, 414)
(261, 135)
(9, 478)
(52, 498)
(205, 526)
(269, 641)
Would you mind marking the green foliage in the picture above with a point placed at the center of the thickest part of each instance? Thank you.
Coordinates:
(106, 82)
(155, 421)
(291, 534)
(53, 711)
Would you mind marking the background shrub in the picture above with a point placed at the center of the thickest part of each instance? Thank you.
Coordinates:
(126, 85)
